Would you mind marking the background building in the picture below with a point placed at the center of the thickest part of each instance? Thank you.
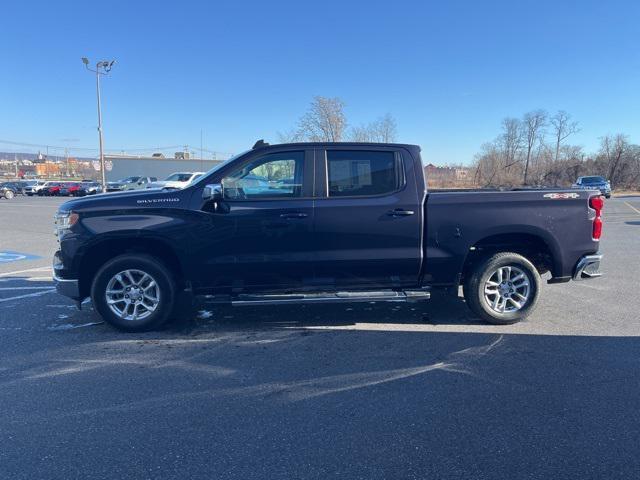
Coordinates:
(158, 166)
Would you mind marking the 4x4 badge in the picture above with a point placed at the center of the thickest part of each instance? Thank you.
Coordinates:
(561, 196)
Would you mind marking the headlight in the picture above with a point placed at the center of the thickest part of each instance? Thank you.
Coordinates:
(63, 221)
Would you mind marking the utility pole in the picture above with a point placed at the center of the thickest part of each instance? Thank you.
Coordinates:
(103, 67)
(201, 152)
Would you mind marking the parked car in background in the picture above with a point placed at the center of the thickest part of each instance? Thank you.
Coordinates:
(130, 183)
(69, 189)
(15, 187)
(594, 183)
(26, 184)
(177, 180)
(87, 188)
(52, 189)
(7, 191)
(35, 187)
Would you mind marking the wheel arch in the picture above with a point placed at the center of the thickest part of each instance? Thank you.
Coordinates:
(543, 252)
(98, 253)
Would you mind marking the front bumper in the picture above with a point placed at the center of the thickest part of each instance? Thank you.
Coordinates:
(67, 286)
(588, 267)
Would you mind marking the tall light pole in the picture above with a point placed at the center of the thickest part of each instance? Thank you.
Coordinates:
(103, 67)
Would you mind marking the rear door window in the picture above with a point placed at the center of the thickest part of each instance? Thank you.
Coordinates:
(354, 173)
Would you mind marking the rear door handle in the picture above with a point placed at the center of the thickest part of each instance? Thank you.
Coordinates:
(400, 212)
(294, 215)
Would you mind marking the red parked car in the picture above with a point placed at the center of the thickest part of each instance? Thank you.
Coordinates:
(51, 190)
(70, 189)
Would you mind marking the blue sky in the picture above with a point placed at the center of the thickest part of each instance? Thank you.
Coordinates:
(448, 71)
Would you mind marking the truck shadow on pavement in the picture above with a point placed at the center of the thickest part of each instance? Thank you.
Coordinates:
(439, 310)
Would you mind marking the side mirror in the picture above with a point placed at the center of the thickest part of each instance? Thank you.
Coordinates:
(213, 192)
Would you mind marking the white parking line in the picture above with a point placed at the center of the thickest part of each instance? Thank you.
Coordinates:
(22, 288)
(36, 269)
(632, 207)
(28, 279)
(37, 294)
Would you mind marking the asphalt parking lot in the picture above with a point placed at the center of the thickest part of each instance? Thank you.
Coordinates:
(350, 391)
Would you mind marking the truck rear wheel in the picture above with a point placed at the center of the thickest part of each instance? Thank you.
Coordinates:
(134, 293)
(503, 289)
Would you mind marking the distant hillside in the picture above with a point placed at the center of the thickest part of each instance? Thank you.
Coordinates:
(34, 156)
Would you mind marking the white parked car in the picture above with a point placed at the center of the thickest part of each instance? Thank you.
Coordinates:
(177, 180)
(31, 190)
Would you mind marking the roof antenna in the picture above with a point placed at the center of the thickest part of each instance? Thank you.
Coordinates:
(260, 143)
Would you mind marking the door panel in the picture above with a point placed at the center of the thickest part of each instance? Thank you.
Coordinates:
(373, 239)
(262, 232)
(266, 247)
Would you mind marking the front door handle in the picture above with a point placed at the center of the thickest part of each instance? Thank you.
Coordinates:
(294, 215)
(400, 212)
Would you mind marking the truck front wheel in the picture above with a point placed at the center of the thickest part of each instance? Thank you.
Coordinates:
(133, 292)
(503, 289)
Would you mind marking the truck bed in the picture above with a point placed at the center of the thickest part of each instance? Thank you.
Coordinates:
(459, 222)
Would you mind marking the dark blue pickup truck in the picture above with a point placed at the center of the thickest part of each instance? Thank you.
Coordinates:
(322, 222)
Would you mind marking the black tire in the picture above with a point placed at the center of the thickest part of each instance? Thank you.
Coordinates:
(474, 288)
(607, 196)
(9, 194)
(147, 264)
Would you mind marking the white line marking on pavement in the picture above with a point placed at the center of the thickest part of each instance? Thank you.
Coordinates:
(23, 288)
(37, 269)
(23, 205)
(632, 207)
(37, 294)
(70, 326)
(28, 279)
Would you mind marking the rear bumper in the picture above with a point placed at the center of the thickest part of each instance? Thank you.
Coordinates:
(588, 267)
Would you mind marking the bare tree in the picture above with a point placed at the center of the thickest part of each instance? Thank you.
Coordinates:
(386, 129)
(325, 120)
(361, 133)
(521, 148)
(290, 136)
(382, 130)
(563, 127)
(613, 147)
(511, 141)
(533, 124)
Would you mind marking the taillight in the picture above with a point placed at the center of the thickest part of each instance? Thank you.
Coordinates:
(597, 203)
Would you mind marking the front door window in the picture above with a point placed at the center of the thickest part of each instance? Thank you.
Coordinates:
(277, 175)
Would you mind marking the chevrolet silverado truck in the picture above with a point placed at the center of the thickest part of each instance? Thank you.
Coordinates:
(322, 222)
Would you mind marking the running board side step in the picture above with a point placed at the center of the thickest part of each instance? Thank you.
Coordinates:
(332, 297)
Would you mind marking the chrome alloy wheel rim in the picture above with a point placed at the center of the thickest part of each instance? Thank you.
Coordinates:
(507, 289)
(132, 294)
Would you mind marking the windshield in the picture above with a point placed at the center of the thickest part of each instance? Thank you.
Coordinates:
(218, 167)
(179, 177)
(592, 180)
(129, 180)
